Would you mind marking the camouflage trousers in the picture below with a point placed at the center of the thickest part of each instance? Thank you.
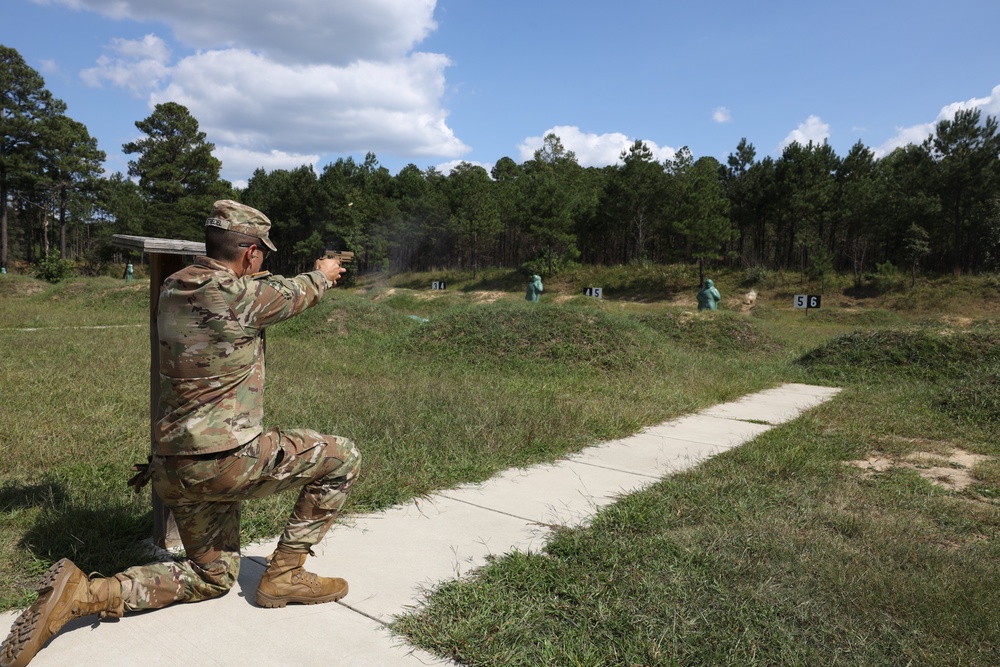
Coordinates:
(205, 494)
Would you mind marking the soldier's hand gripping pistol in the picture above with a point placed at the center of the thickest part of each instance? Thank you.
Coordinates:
(343, 258)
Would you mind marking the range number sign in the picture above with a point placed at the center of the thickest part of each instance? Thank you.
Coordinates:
(807, 301)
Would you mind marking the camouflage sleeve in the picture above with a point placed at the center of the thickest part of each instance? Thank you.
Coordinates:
(261, 300)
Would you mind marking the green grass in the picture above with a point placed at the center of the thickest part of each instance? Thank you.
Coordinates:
(774, 553)
(482, 386)
(900, 353)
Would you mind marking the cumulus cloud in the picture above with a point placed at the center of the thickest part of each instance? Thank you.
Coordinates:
(263, 105)
(592, 150)
(315, 31)
(243, 161)
(304, 78)
(447, 167)
(916, 134)
(721, 115)
(138, 65)
(813, 129)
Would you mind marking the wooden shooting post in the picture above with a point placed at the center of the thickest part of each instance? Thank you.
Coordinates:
(165, 257)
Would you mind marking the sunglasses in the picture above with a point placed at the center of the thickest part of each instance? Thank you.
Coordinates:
(260, 247)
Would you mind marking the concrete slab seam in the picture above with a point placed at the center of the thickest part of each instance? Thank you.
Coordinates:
(533, 522)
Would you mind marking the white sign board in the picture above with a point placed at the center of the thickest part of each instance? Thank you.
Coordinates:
(806, 301)
(596, 292)
(438, 284)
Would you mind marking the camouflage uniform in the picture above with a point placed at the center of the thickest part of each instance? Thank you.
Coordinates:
(211, 451)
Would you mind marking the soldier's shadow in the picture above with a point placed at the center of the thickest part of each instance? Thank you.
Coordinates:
(99, 534)
(14, 495)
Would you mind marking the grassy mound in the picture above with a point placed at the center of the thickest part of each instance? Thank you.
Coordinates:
(718, 332)
(926, 353)
(21, 286)
(875, 317)
(102, 293)
(421, 303)
(510, 332)
(347, 314)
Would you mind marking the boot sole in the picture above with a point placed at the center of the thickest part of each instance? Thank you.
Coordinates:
(24, 633)
(269, 602)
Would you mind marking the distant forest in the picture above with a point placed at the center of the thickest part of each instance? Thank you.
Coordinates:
(933, 206)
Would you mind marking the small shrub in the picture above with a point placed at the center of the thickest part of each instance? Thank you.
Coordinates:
(540, 265)
(756, 275)
(886, 278)
(54, 269)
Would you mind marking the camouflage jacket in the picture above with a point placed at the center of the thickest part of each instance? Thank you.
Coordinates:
(210, 324)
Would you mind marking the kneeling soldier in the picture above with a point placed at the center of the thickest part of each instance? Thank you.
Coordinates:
(210, 449)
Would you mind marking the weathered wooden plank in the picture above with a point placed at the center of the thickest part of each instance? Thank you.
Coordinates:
(152, 245)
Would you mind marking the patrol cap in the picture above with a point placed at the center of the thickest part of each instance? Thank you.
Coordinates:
(237, 217)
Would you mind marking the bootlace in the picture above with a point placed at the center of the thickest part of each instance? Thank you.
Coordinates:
(307, 578)
(310, 577)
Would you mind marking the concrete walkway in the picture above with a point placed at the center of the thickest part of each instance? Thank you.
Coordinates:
(391, 557)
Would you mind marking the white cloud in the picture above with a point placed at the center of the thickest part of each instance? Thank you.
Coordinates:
(244, 101)
(813, 129)
(239, 160)
(447, 167)
(916, 134)
(592, 150)
(301, 31)
(721, 115)
(300, 78)
(138, 65)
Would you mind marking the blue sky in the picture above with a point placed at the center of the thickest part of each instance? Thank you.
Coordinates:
(281, 84)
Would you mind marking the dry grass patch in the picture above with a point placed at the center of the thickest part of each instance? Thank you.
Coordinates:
(339, 320)
(954, 470)
(487, 297)
(22, 288)
(958, 321)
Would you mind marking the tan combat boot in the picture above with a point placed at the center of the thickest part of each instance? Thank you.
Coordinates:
(286, 581)
(64, 593)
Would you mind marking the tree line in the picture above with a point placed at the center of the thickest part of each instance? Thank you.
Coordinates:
(933, 205)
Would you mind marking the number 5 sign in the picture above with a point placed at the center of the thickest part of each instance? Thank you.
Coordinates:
(806, 301)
